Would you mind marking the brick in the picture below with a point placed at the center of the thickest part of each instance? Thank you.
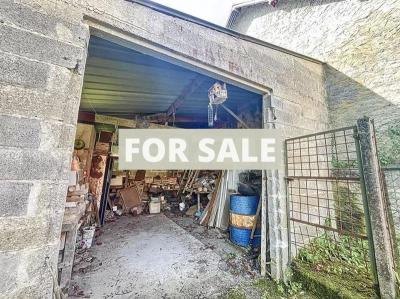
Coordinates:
(14, 198)
(41, 199)
(19, 132)
(14, 40)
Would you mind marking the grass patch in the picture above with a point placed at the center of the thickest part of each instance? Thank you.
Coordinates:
(335, 267)
(235, 294)
(272, 290)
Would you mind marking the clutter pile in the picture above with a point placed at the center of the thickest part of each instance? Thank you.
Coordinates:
(143, 194)
(220, 206)
(100, 193)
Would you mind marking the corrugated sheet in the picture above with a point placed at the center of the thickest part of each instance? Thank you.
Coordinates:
(121, 81)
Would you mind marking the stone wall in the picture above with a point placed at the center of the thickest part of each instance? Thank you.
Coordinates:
(41, 60)
(357, 39)
(43, 48)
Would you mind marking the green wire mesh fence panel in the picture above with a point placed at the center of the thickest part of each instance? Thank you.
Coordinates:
(392, 182)
(392, 178)
(328, 226)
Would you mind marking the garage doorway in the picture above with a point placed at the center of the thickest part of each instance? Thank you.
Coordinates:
(184, 214)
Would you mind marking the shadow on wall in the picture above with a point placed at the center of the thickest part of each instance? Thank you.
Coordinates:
(262, 9)
(349, 100)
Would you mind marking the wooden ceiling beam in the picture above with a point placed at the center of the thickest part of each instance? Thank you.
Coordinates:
(186, 92)
(114, 118)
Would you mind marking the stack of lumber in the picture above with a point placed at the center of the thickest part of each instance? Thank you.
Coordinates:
(188, 179)
(216, 213)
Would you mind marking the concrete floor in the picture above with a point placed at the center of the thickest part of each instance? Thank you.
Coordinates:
(153, 257)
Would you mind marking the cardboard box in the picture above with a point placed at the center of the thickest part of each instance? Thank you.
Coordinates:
(155, 207)
(131, 198)
(117, 181)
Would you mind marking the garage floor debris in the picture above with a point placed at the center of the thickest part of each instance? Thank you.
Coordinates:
(153, 257)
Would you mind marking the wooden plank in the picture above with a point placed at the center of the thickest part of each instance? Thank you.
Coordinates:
(212, 201)
(216, 204)
(110, 120)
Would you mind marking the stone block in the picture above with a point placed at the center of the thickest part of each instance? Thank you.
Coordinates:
(21, 71)
(64, 85)
(34, 46)
(14, 198)
(28, 18)
(56, 134)
(32, 199)
(18, 164)
(19, 132)
(23, 233)
(27, 274)
(50, 198)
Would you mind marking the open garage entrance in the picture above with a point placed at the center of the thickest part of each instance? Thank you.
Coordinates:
(152, 225)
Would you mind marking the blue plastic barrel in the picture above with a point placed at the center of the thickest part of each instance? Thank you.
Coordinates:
(244, 205)
(240, 231)
(257, 238)
(241, 236)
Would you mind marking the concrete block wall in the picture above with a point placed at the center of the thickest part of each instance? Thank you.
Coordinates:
(357, 39)
(41, 55)
(43, 48)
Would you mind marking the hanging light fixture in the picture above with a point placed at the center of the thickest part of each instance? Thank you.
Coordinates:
(217, 95)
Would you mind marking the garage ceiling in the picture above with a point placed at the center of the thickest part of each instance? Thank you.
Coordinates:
(122, 82)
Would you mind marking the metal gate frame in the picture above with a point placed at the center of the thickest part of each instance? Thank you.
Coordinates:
(391, 179)
(345, 172)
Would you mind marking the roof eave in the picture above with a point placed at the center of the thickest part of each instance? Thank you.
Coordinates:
(177, 14)
(236, 8)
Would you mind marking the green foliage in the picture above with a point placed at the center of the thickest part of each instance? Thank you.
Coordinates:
(338, 255)
(336, 264)
(343, 164)
(389, 145)
(236, 294)
(291, 289)
(349, 214)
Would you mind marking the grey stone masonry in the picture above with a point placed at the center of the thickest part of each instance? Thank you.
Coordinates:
(357, 39)
(43, 48)
(40, 86)
(12, 135)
